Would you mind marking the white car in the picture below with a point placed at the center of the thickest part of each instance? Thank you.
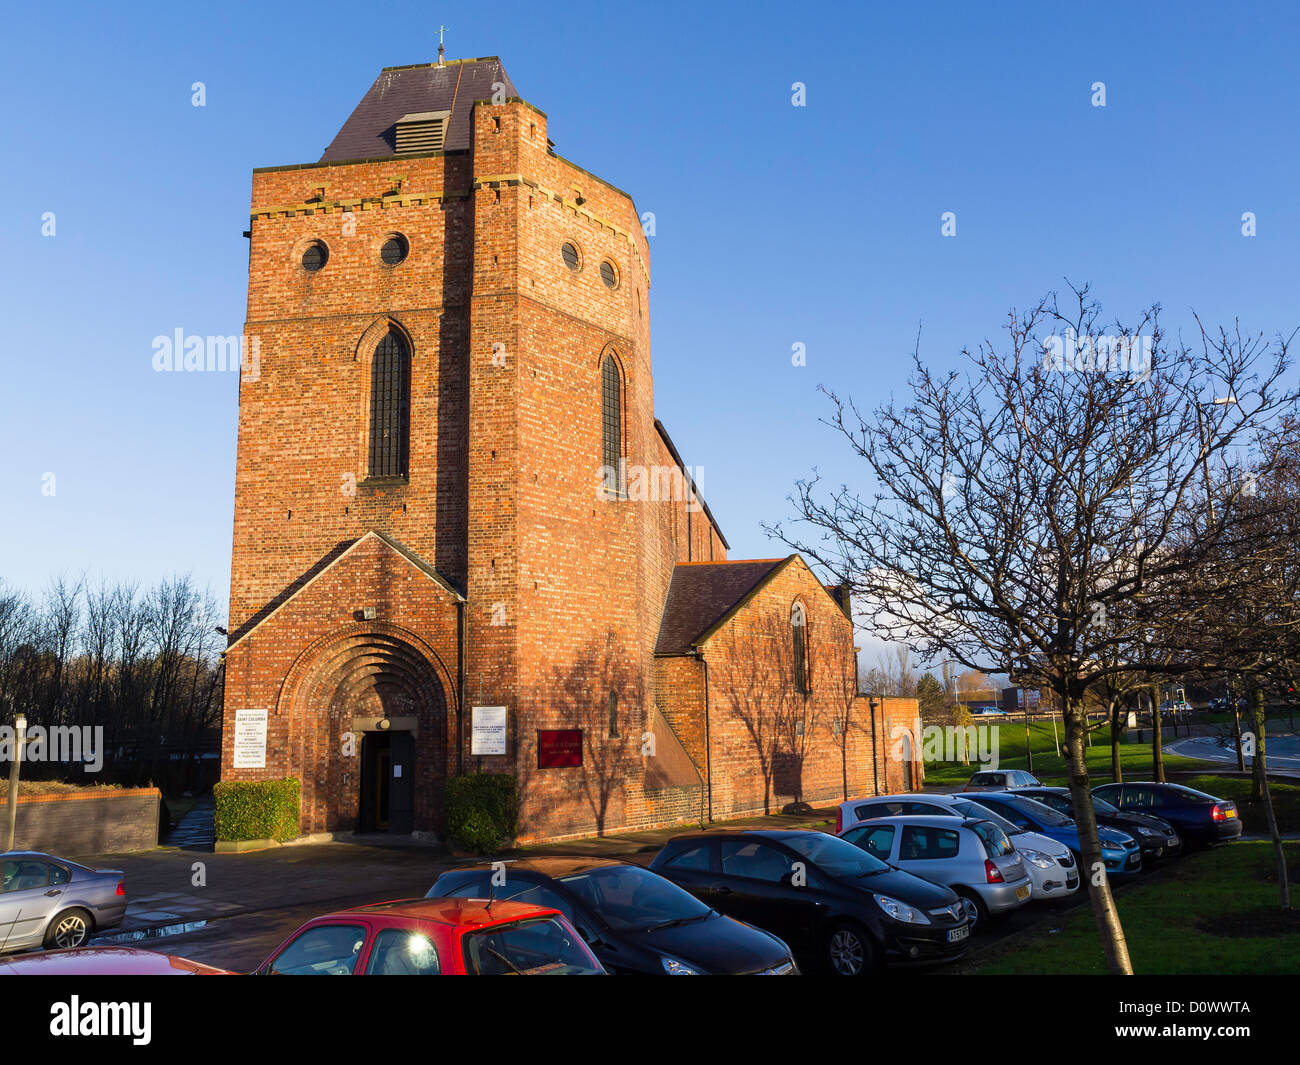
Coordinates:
(1050, 864)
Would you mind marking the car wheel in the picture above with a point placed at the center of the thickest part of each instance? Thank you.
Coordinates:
(71, 928)
(849, 950)
(974, 907)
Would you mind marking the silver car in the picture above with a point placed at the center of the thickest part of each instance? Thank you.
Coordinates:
(972, 856)
(52, 902)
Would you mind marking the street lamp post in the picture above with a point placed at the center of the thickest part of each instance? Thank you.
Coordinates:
(20, 738)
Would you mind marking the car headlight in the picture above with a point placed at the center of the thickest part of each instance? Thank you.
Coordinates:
(675, 967)
(901, 911)
(1038, 858)
(1150, 833)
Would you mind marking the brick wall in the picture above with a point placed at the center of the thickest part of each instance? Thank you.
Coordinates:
(100, 821)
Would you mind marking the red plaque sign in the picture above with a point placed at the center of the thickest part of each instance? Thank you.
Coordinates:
(558, 748)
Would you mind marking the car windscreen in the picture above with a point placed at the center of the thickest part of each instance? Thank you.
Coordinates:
(1044, 815)
(987, 778)
(974, 809)
(537, 947)
(834, 856)
(1103, 807)
(628, 897)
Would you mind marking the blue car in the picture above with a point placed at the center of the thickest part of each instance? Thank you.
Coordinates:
(1119, 850)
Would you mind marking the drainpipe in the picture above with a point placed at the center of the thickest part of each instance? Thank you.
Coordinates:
(462, 638)
(708, 747)
(875, 747)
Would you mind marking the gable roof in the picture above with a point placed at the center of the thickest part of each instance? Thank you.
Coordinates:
(703, 594)
(395, 545)
(370, 130)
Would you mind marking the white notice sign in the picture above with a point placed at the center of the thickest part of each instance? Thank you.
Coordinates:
(250, 739)
(488, 730)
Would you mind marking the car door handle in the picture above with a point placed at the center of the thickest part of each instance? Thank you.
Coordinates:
(52, 892)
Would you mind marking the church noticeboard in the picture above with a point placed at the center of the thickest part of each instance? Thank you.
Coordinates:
(250, 739)
(488, 730)
(559, 748)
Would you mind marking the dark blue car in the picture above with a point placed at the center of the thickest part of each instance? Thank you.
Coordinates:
(1119, 850)
(1200, 819)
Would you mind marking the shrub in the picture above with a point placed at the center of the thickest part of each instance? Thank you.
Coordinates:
(482, 810)
(256, 809)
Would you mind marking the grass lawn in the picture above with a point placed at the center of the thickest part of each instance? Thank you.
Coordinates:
(1211, 912)
(1049, 767)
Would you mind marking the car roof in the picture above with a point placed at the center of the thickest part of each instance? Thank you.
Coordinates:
(927, 820)
(107, 961)
(448, 911)
(1023, 789)
(777, 834)
(553, 866)
(908, 795)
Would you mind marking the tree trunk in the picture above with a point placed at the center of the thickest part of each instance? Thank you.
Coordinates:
(1093, 869)
(1236, 731)
(1257, 712)
(1029, 747)
(1261, 784)
(1157, 752)
(1116, 767)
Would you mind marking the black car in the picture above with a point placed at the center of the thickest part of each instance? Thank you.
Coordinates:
(1200, 819)
(634, 920)
(834, 903)
(1157, 838)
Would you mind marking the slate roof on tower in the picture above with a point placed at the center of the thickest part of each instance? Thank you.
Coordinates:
(371, 130)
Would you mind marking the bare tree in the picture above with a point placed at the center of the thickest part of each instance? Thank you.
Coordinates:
(1058, 478)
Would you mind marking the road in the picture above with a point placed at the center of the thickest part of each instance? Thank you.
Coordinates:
(1282, 752)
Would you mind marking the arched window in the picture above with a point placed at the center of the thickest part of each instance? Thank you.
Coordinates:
(611, 423)
(613, 713)
(390, 407)
(799, 639)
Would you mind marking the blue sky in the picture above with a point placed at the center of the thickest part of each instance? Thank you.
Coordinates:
(776, 224)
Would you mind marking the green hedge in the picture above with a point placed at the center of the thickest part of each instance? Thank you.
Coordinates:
(482, 811)
(256, 809)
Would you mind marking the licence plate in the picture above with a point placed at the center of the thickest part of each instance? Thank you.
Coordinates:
(1230, 812)
(1022, 892)
(956, 935)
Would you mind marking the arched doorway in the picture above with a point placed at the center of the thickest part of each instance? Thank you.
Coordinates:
(369, 725)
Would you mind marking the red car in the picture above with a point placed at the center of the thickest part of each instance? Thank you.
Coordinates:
(104, 961)
(432, 937)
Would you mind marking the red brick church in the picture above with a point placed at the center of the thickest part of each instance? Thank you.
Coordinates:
(453, 496)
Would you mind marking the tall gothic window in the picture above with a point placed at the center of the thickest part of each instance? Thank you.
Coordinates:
(799, 639)
(611, 422)
(390, 408)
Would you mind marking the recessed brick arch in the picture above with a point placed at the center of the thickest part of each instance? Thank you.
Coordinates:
(357, 674)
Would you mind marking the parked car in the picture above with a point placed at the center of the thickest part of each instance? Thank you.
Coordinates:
(1051, 865)
(634, 920)
(989, 711)
(1000, 779)
(1156, 838)
(105, 961)
(828, 899)
(1200, 819)
(53, 902)
(972, 856)
(1119, 851)
(435, 937)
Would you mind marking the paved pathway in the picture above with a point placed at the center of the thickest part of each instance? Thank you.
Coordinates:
(195, 831)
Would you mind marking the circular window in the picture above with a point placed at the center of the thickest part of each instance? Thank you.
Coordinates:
(570, 253)
(314, 256)
(394, 249)
(608, 274)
